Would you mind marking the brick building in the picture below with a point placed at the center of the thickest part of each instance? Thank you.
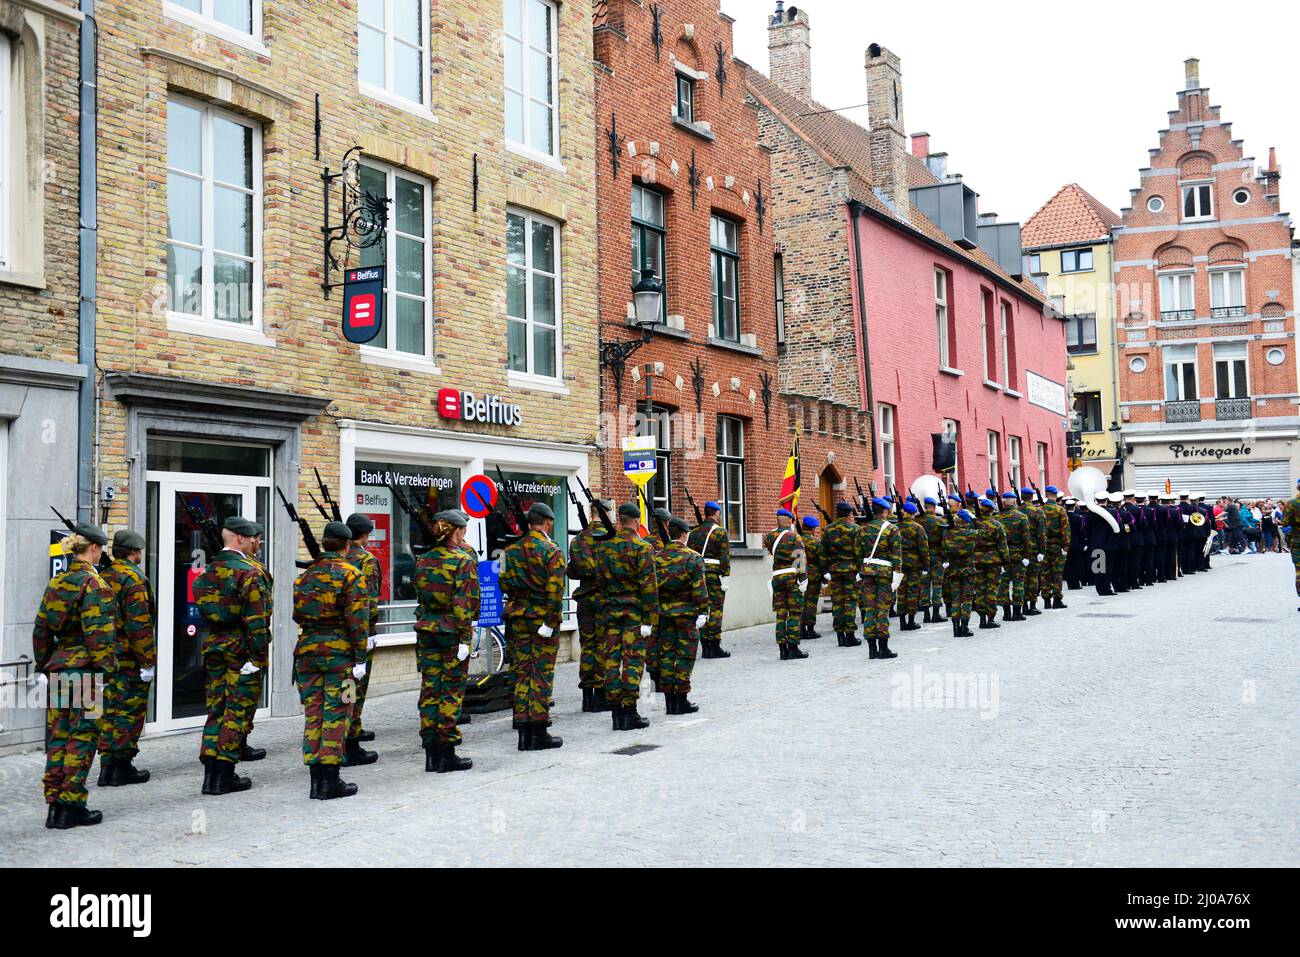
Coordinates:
(225, 373)
(907, 301)
(42, 374)
(683, 188)
(1205, 302)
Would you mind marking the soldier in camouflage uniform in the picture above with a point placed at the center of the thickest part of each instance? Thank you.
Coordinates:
(916, 567)
(582, 568)
(812, 549)
(127, 688)
(532, 579)
(839, 556)
(788, 567)
(709, 540)
(959, 545)
(447, 603)
(683, 610)
(1289, 525)
(331, 606)
(880, 563)
(231, 597)
(73, 647)
(932, 595)
(1037, 552)
(365, 562)
(250, 685)
(1056, 547)
(627, 570)
(991, 556)
(1012, 585)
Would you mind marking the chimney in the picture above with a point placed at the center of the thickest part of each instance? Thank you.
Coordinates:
(789, 51)
(938, 164)
(921, 145)
(1272, 174)
(1192, 70)
(888, 139)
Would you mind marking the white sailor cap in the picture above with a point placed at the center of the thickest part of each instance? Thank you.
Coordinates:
(1116, 497)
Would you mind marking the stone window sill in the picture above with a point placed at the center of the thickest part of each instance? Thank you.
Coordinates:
(948, 370)
(996, 386)
(662, 330)
(734, 346)
(28, 280)
(218, 329)
(694, 129)
(1013, 393)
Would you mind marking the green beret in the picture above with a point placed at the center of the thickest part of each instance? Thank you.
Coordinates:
(337, 530)
(91, 533)
(360, 523)
(242, 526)
(125, 538)
(678, 524)
(540, 511)
(452, 516)
(629, 510)
(662, 514)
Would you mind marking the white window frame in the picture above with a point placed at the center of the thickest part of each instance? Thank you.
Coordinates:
(1004, 318)
(388, 92)
(1195, 190)
(551, 156)
(689, 81)
(1175, 282)
(1244, 358)
(6, 146)
(204, 20)
(1219, 282)
(941, 296)
(529, 375)
(888, 448)
(725, 498)
(1042, 464)
(388, 350)
(1013, 460)
(206, 322)
(1172, 356)
(993, 442)
(778, 282)
(986, 306)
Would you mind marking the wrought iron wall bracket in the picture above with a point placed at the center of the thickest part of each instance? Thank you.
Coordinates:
(614, 354)
(363, 216)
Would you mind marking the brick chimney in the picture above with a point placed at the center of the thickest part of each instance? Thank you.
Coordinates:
(1272, 174)
(888, 137)
(921, 145)
(789, 51)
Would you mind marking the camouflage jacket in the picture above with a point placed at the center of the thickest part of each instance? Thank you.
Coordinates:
(840, 547)
(1056, 526)
(1037, 528)
(268, 585)
(785, 546)
(74, 628)
(991, 543)
(916, 544)
(1291, 520)
(1016, 527)
(331, 606)
(532, 578)
(627, 569)
(934, 531)
(880, 549)
(364, 561)
(231, 597)
(582, 564)
(136, 615)
(710, 541)
(959, 545)
(446, 594)
(812, 551)
(679, 573)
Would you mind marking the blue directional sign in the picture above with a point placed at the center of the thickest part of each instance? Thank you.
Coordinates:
(490, 610)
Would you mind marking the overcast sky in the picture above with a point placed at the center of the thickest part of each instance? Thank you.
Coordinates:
(1026, 98)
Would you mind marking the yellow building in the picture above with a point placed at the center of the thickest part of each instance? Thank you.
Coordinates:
(1068, 243)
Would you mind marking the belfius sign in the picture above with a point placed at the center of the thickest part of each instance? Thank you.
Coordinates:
(363, 304)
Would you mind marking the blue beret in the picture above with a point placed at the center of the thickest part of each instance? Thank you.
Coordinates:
(910, 508)
(784, 513)
(965, 516)
(882, 503)
(843, 507)
(987, 503)
(931, 501)
(810, 521)
(955, 498)
(712, 507)
(1052, 489)
(991, 493)
(1026, 491)
(1008, 494)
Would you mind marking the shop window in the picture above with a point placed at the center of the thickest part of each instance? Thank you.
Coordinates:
(725, 252)
(530, 51)
(502, 526)
(392, 38)
(532, 294)
(731, 475)
(408, 279)
(649, 239)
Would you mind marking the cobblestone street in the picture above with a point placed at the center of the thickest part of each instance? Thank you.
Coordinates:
(1156, 728)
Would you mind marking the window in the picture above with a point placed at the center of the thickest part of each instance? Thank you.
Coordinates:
(778, 276)
(530, 51)
(648, 239)
(1156, 204)
(724, 240)
(242, 16)
(888, 450)
(1088, 405)
(1177, 298)
(1180, 373)
(1275, 357)
(1013, 460)
(731, 475)
(941, 318)
(1241, 197)
(1076, 260)
(1198, 202)
(986, 334)
(1081, 334)
(394, 47)
(1227, 293)
(1138, 364)
(407, 252)
(660, 487)
(1230, 370)
(1042, 465)
(1035, 263)
(685, 109)
(214, 214)
(993, 461)
(1008, 348)
(532, 294)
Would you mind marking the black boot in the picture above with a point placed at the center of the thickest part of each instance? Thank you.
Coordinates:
(1006, 613)
(1031, 608)
(627, 719)
(539, 739)
(965, 628)
(253, 754)
(793, 653)
(875, 652)
(223, 778)
(839, 638)
(937, 614)
(430, 755)
(50, 813)
(370, 735)
(448, 760)
(927, 618)
(356, 755)
(616, 719)
(718, 650)
(602, 703)
(124, 772)
(1057, 603)
(74, 815)
(330, 787)
(588, 700)
(884, 649)
(105, 771)
(956, 628)
(1016, 614)
(784, 649)
(851, 639)
(314, 771)
(678, 704)
(909, 623)
(811, 633)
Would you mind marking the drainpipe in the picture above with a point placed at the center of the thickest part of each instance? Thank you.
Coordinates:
(855, 210)
(88, 233)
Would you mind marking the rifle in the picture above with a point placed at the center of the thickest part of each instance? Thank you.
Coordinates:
(863, 504)
(417, 513)
(105, 559)
(599, 506)
(1015, 488)
(333, 515)
(308, 537)
(699, 516)
(1037, 493)
(825, 518)
(577, 507)
(512, 500)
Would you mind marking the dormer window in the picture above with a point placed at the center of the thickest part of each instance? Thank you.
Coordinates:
(1198, 201)
(685, 98)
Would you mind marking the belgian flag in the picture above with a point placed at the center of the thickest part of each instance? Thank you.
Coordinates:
(789, 497)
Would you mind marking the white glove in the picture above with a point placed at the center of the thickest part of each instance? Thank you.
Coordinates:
(701, 621)
(359, 671)
(645, 631)
(372, 642)
(146, 675)
(895, 580)
(723, 581)
(545, 631)
(1025, 562)
(1065, 551)
(249, 669)
(945, 566)
(462, 651)
(925, 574)
(857, 578)
(1040, 557)
(826, 577)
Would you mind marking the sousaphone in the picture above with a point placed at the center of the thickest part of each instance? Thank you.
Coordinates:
(931, 486)
(1084, 484)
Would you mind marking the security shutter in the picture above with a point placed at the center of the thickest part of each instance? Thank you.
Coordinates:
(1239, 478)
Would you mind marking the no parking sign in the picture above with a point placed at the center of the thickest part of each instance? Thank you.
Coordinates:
(478, 496)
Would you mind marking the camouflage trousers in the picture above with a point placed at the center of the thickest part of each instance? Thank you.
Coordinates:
(591, 667)
(442, 689)
(933, 594)
(230, 707)
(250, 689)
(844, 599)
(1012, 583)
(812, 596)
(532, 659)
(354, 726)
(126, 698)
(787, 603)
(1033, 576)
(959, 590)
(71, 730)
(1051, 571)
(1295, 560)
(712, 630)
(914, 585)
(678, 643)
(623, 652)
(875, 596)
(325, 689)
(989, 592)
